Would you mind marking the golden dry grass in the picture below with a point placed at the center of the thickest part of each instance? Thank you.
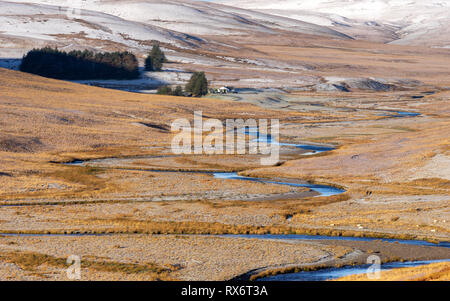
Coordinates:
(126, 225)
(185, 257)
(382, 166)
(430, 272)
(45, 121)
(32, 261)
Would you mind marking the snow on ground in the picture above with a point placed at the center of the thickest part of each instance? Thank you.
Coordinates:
(147, 83)
(376, 10)
(129, 22)
(25, 26)
(184, 26)
(109, 25)
(408, 22)
(193, 17)
(46, 22)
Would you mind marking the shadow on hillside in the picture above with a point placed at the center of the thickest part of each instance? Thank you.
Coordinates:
(143, 84)
(10, 63)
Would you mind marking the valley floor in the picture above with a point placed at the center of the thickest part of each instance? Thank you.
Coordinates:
(154, 214)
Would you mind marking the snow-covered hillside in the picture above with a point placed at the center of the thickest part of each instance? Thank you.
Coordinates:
(415, 22)
(133, 24)
(261, 44)
(190, 31)
(191, 17)
(376, 10)
(24, 24)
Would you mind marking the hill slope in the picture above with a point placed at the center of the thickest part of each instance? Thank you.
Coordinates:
(405, 22)
(191, 17)
(235, 46)
(24, 25)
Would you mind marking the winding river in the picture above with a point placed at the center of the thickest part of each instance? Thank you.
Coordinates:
(317, 275)
(345, 238)
(334, 273)
(313, 149)
(323, 190)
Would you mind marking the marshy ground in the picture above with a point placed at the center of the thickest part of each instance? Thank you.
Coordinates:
(395, 172)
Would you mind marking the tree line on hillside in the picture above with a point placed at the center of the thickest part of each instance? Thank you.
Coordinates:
(80, 65)
(87, 65)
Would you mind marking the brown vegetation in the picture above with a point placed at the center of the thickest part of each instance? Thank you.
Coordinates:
(384, 163)
(31, 261)
(430, 272)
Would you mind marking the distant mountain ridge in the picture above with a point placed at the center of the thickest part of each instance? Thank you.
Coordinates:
(191, 17)
(134, 23)
(404, 22)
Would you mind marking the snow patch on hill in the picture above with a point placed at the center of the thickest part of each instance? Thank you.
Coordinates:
(407, 22)
(193, 17)
(52, 24)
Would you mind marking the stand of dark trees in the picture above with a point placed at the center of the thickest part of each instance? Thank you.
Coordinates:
(166, 90)
(80, 65)
(197, 86)
(155, 59)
